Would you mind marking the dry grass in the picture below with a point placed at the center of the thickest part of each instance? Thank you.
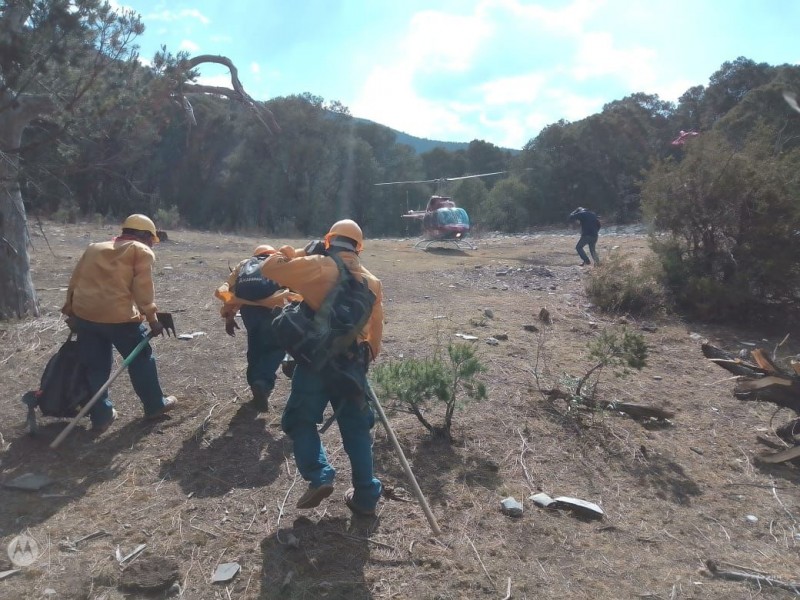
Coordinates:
(216, 484)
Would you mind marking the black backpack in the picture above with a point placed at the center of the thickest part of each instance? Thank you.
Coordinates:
(250, 284)
(316, 339)
(63, 388)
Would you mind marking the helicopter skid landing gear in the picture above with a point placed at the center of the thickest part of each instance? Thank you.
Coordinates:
(459, 244)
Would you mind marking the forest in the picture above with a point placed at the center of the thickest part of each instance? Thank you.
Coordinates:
(117, 134)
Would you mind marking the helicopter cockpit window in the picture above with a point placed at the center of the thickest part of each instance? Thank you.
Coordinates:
(452, 216)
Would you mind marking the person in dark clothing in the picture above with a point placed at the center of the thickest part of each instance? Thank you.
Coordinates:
(590, 229)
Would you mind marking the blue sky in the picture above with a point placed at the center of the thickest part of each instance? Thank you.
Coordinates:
(458, 70)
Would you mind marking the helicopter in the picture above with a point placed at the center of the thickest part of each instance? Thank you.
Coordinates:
(442, 221)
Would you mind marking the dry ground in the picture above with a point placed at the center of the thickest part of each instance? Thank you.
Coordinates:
(216, 484)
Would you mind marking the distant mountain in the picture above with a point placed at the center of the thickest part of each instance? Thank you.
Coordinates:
(422, 145)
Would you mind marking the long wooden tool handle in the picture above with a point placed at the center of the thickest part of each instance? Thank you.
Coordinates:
(88, 406)
(406, 467)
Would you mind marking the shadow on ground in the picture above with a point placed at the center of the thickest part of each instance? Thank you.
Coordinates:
(246, 455)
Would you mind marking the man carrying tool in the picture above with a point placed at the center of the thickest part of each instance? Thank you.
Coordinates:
(254, 297)
(313, 274)
(109, 296)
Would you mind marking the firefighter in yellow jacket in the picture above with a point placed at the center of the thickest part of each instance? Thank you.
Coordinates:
(110, 296)
(313, 275)
(254, 297)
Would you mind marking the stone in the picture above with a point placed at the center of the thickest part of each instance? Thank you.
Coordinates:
(530, 327)
(509, 506)
(225, 572)
(488, 313)
(30, 482)
(492, 341)
(541, 499)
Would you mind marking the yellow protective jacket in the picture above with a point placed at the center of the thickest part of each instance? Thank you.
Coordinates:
(113, 283)
(231, 303)
(314, 276)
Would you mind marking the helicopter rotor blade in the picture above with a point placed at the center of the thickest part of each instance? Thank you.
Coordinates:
(419, 181)
(472, 176)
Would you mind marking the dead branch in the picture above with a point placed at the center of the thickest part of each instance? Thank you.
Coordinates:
(237, 94)
(713, 568)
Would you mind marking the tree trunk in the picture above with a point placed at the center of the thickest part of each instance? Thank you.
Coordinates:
(17, 294)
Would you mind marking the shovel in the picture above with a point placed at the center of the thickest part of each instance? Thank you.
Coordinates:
(169, 326)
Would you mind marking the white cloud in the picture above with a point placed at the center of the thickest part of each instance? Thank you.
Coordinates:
(508, 90)
(189, 46)
(255, 68)
(438, 41)
(179, 15)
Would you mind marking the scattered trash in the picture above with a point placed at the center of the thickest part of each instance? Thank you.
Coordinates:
(541, 499)
(581, 507)
(123, 559)
(186, 336)
(696, 336)
(30, 482)
(509, 506)
(752, 518)
(195, 334)
(468, 337)
(49, 592)
(225, 572)
(657, 377)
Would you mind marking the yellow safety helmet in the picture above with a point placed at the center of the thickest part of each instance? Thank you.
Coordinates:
(141, 223)
(263, 250)
(346, 228)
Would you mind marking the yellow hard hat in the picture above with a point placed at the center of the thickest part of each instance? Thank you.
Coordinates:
(141, 223)
(263, 250)
(346, 228)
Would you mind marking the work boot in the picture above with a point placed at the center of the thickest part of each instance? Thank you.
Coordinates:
(98, 429)
(314, 495)
(355, 508)
(261, 393)
(170, 402)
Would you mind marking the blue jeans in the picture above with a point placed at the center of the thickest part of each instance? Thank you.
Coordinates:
(304, 409)
(264, 356)
(95, 341)
(591, 241)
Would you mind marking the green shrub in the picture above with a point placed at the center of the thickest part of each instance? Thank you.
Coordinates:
(451, 380)
(620, 286)
(167, 219)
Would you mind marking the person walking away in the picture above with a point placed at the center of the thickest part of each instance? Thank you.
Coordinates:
(255, 298)
(590, 230)
(313, 274)
(109, 297)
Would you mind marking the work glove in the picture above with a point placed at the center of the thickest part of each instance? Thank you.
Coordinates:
(156, 328)
(315, 247)
(231, 327)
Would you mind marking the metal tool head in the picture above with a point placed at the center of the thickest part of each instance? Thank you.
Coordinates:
(168, 322)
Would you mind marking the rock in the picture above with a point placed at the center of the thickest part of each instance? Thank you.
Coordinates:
(509, 506)
(151, 574)
(541, 499)
(530, 327)
(487, 312)
(696, 336)
(751, 519)
(225, 572)
(503, 337)
(30, 482)
(649, 328)
(580, 507)
(657, 377)
(492, 341)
